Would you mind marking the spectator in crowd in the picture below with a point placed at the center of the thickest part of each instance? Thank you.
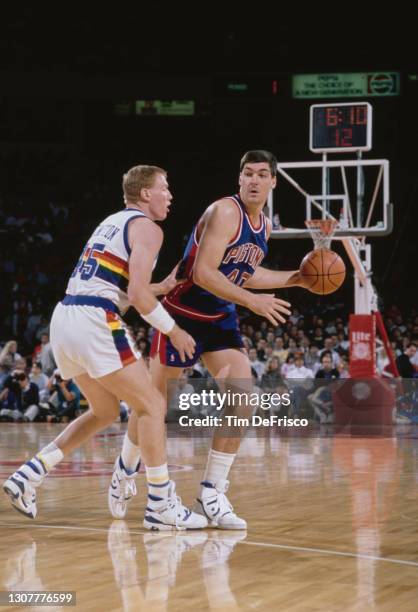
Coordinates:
(9, 356)
(343, 343)
(10, 399)
(261, 349)
(287, 365)
(414, 359)
(18, 396)
(32, 325)
(299, 380)
(305, 343)
(318, 337)
(328, 347)
(341, 327)
(257, 365)
(272, 376)
(343, 367)
(298, 369)
(43, 328)
(312, 360)
(29, 397)
(64, 400)
(327, 370)
(46, 356)
(279, 350)
(270, 338)
(405, 367)
(330, 328)
(268, 353)
(295, 317)
(40, 379)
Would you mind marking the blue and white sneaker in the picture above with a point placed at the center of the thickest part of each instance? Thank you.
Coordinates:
(121, 490)
(171, 515)
(215, 506)
(20, 486)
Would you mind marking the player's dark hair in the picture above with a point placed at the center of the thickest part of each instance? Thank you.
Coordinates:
(257, 156)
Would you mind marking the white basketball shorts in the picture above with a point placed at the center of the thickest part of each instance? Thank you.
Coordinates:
(89, 339)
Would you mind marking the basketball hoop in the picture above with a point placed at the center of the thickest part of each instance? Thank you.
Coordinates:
(322, 232)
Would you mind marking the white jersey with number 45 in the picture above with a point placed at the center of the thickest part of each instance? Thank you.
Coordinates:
(103, 268)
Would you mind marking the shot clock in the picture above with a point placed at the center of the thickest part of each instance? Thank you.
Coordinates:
(338, 128)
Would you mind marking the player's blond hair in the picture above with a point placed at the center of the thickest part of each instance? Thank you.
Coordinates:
(137, 178)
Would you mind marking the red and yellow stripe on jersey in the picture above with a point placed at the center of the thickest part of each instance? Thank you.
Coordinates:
(110, 268)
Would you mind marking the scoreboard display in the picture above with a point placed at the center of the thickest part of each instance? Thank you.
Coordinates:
(340, 127)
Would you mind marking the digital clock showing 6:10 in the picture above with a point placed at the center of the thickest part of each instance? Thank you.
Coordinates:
(340, 127)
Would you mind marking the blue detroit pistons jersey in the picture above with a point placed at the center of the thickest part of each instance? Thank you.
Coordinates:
(243, 254)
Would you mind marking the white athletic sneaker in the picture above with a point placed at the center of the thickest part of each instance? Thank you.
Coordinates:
(214, 504)
(121, 490)
(20, 487)
(172, 515)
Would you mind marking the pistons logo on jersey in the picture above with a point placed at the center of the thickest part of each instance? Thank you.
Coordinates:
(248, 253)
(240, 261)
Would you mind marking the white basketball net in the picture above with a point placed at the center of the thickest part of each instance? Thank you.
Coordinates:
(322, 231)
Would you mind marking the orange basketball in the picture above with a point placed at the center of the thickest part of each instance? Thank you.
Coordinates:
(324, 271)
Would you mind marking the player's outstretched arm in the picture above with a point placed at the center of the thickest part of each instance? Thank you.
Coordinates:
(220, 224)
(263, 278)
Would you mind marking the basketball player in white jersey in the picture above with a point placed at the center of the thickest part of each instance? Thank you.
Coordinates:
(92, 346)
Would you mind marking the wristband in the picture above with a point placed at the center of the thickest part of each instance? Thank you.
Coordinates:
(160, 319)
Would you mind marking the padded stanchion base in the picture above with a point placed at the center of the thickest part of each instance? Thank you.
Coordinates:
(368, 401)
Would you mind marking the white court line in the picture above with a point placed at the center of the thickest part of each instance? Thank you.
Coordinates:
(325, 551)
(322, 551)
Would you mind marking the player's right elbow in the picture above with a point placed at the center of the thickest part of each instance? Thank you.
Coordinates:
(132, 294)
(200, 276)
(141, 298)
(135, 298)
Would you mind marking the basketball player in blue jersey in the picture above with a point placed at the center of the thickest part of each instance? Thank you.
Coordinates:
(222, 261)
(92, 345)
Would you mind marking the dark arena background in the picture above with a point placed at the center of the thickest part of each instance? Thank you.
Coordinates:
(331, 506)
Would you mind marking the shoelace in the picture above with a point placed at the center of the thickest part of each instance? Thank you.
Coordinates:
(129, 489)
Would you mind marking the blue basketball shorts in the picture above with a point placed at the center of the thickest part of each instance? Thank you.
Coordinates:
(209, 337)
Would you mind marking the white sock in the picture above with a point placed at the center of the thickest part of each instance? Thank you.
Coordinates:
(158, 481)
(131, 455)
(50, 456)
(218, 466)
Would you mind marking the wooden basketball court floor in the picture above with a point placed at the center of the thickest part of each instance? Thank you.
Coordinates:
(332, 525)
